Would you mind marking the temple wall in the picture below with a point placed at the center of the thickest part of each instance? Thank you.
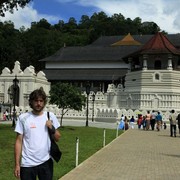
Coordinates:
(28, 81)
(157, 90)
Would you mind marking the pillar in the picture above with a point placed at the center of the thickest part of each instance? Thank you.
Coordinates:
(130, 64)
(145, 57)
(169, 67)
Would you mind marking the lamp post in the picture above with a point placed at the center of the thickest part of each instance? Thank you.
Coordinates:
(93, 99)
(87, 110)
(15, 87)
(10, 101)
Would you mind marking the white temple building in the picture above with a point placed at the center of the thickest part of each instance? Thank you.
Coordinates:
(151, 83)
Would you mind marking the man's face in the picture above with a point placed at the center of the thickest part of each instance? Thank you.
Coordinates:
(38, 105)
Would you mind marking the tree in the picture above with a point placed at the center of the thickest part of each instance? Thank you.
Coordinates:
(39, 41)
(43, 23)
(117, 22)
(66, 97)
(59, 26)
(149, 28)
(10, 44)
(9, 5)
(42, 39)
(85, 22)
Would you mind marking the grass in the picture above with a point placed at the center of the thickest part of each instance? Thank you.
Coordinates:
(90, 141)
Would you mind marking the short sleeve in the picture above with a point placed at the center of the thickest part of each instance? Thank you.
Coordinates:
(19, 126)
(55, 121)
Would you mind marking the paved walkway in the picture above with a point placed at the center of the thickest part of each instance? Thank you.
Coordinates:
(135, 155)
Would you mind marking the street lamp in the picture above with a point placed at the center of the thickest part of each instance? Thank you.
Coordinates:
(93, 99)
(87, 110)
(10, 100)
(15, 88)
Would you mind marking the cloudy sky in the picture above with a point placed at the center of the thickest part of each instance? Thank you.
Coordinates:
(165, 13)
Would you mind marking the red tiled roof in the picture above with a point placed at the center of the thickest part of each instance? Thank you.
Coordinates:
(158, 44)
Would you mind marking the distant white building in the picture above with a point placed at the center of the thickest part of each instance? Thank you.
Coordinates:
(28, 81)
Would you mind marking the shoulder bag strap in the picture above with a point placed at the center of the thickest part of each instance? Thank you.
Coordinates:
(48, 116)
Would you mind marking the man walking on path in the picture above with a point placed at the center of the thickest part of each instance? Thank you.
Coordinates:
(159, 121)
(148, 119)
(153, 119)
(172, 119)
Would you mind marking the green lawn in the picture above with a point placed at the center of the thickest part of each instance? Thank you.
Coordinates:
(90, 141)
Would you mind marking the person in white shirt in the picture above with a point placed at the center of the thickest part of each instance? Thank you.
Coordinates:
(7, 115)
(32, 145)
(173, 122)
(153, 120)
(131, 122)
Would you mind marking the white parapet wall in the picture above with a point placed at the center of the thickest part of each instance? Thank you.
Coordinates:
(144, 91)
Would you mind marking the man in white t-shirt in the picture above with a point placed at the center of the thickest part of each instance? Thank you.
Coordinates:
(173, 122)
(32, 146)
(153, 119)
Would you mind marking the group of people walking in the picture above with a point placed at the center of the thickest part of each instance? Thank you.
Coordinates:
(150, 120)
(147, 121)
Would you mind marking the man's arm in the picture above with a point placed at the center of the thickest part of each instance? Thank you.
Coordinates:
(55, 132)
(17, 154)
(57, 135)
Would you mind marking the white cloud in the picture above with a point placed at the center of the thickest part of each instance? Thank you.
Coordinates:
(24, 17)
(164, 13)
(153, 10)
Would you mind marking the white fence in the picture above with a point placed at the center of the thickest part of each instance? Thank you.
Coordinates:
(100, 114)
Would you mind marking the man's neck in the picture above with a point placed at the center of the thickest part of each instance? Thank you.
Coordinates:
(37, 113)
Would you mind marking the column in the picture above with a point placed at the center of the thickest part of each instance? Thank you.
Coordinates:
(145, 57)
(169, 67)
(130, 64)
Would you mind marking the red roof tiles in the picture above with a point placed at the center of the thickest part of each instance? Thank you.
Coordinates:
(159, 43)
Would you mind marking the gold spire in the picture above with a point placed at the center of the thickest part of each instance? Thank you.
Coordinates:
(128, 40)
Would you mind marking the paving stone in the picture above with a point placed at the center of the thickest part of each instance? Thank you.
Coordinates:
(135, 155)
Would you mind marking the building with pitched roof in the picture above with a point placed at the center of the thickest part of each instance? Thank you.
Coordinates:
(100, 63)
(153, 80)
(138, 73)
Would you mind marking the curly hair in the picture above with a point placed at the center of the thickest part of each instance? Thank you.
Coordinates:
(36, 94)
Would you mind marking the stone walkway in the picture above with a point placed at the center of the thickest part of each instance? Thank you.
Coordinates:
(135, 155)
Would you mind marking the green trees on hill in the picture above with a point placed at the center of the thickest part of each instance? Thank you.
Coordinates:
(43, 39)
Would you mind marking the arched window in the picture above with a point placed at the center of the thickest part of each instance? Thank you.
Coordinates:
(157, 64)
(156, 76)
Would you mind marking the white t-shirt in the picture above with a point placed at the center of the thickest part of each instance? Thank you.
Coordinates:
(36, 141)
(122, 118)
(6, 113)
(153, 115)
